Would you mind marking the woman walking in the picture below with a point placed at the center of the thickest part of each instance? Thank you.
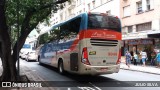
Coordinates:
(144, 57)
(153, 56)
(128, 58)
(158, 58)
(135, 58)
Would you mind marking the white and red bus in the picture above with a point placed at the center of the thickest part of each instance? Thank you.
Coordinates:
(86, 44)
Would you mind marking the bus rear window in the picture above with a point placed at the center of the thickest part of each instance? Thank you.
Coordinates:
(97, 21)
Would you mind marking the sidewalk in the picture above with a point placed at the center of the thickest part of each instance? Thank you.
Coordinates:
(31, 76)
(146, 69)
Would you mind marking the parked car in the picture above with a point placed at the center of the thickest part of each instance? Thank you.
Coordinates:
(25, 49)
(31, 55)
(23, 55)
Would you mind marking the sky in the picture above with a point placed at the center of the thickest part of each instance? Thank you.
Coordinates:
(34, 32)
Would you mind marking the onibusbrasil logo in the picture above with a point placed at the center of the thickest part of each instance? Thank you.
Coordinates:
(18, 84)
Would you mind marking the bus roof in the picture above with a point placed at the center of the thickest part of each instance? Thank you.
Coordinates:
(85, 14)
(61, 23)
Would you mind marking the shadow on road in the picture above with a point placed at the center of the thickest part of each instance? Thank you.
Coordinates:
(86, 80)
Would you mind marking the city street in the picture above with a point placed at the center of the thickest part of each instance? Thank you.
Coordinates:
(109, 44)
(121, 80)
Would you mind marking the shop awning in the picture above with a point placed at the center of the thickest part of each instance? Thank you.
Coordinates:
(134, 36)
(156, 35)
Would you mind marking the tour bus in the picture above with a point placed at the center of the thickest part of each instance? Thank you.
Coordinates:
(88, 44)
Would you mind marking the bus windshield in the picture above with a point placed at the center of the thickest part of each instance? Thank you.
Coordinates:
(98, 21)
(27, 46)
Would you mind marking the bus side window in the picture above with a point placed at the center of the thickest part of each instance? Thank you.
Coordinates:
(70, 30)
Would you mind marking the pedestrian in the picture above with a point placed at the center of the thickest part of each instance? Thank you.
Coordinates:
(132, 59)
(135, 58)
(158, 58)
(140, 58)
(144, 57)
(153, 56)
(128, 58)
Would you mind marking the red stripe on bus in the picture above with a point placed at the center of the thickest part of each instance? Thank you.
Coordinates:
(98, 34)
(103, 34)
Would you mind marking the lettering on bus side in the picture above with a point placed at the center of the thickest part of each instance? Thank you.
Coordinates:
(103, 35)
(103, 58)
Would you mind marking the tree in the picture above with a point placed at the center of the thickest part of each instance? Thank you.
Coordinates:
(31, 12)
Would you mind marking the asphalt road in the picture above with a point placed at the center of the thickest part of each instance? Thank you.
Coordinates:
(124, 80)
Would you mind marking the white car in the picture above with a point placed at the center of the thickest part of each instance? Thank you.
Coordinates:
(31, 56)
(25, 49)
(23, 55)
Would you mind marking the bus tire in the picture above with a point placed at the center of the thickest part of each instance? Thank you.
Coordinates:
(39, 60)
(27, 59)
(60, 67)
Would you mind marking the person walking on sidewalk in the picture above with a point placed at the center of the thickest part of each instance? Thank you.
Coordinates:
(128, 58)
(144, 57)
(135, 58)
(158, 58)
(132, 55)
(153, 56)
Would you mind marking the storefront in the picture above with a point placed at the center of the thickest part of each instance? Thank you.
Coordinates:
(137, 42)
(156, 39)
(139, 45)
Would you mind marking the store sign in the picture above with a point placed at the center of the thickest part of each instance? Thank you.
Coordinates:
(157, 40)
(142, 42)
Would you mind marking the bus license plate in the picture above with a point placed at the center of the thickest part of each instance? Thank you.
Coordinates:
(103, 69)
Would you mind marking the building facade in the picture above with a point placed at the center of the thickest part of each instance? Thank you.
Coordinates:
(140, 25)
(76, 7)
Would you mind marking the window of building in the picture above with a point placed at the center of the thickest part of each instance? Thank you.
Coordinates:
(79, 2)
(124, 32)
(101, 2)
(126, 11)
(139, 7)
(93, 2)
(130, 29)
(104, 1)
(108, 12)
(144, 26)
(148, 4)
(89, 7)
(61, 17)
(80, 11)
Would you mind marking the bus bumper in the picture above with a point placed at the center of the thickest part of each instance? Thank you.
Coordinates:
(98, 70)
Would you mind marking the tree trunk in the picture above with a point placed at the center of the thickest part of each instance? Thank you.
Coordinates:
(9, 67)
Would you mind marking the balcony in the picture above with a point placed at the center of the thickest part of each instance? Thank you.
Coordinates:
(72, 5)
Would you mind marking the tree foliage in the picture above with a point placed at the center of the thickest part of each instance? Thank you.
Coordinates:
(30, 13)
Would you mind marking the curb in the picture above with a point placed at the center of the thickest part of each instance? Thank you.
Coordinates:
(140, 71)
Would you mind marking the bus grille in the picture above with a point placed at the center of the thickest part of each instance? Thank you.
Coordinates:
(103, 42)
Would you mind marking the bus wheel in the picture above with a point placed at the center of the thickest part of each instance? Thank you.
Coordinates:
(27, 60)
(39, 60)
(60, 67)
